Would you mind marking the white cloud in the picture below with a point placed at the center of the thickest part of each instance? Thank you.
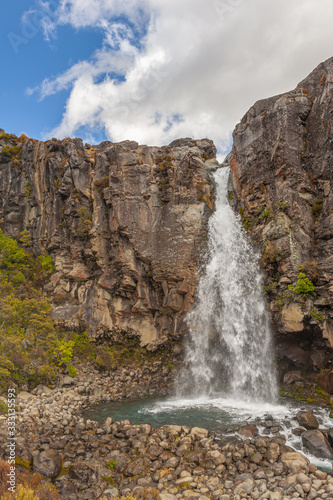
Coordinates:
(201, 65)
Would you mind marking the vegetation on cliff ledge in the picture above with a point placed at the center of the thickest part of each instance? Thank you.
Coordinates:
(32, 348)
(27, 332)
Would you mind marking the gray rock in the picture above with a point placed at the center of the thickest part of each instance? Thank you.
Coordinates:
(48, 463)
(66, 381)
(317, 443)
(271, 161)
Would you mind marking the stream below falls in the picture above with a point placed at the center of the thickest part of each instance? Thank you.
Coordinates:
(229, 378)
(224, 416)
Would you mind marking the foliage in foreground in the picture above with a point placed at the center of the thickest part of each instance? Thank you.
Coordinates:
(32, 349)
(29, 486)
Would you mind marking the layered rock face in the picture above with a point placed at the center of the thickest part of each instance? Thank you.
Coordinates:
(281, 165)
(125, 225)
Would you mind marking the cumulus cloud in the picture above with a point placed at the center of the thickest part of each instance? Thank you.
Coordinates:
(171, 69)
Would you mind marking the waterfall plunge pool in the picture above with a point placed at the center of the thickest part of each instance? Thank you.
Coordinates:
(230, 344)
(219, 414)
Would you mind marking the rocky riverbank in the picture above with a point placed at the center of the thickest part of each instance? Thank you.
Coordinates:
(86, 460)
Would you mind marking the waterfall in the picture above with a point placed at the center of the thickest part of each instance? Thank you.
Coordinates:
(229, 351)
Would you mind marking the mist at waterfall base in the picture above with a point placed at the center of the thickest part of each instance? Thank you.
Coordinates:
(228, 378)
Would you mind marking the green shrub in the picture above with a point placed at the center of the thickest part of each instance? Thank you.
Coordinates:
(27, 332)
(64, 353)
(13, 152)
(108, 479)
(21, 493)
(7, 137)
(318, 316)
(282, 205)
(11, 256)
(25, 239)
(47, 263)
(303, 286)
(270, 259)
(102, 183)
(265, 213)
(27, 189)
(82, 343)
(111, 464)
(310, 268)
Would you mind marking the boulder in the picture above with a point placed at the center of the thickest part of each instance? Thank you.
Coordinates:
(87, 471)
(295, 462)
(325, 381)
(66, 381)
(273, 452)
(307, 420)
(173, 430)
(292, 376)
(24, 396)
(294, 353)
(111, 493)
(317, 443)
(248, 432)
(199, 432)
(48, 463)
(136, 467)
(65, 487)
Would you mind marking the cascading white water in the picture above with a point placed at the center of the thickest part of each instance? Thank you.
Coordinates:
(230, 347)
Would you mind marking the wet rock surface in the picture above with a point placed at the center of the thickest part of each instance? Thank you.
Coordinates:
(307, 420)
(317, 443)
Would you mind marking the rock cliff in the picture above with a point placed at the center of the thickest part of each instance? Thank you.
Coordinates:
(125, 225)
(281, 164)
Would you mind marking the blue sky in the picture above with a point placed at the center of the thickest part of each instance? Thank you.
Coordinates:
(28, 60)
(152, 70)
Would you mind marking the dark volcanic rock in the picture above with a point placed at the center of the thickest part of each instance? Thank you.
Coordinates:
(125, 225)
(292, 376)
(325, 381)
(281, 165)
(48, 463)
(317, 444)
(307, 420)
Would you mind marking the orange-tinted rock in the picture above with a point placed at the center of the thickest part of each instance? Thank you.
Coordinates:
(307, 420)
(325, 381)
(292, 376)
(248, 432)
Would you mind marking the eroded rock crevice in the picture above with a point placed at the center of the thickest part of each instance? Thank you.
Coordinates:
(125, 225)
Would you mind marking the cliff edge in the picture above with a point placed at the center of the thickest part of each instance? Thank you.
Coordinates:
(281, 164)
(125, 225)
